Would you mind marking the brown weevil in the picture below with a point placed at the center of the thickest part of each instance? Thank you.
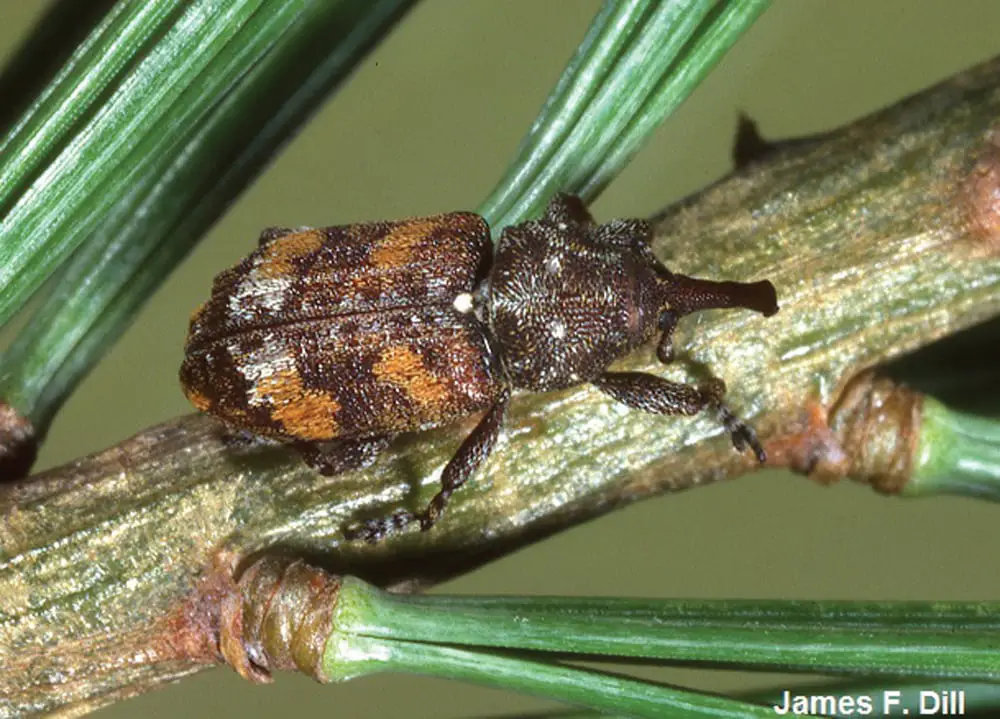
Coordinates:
(336, 339)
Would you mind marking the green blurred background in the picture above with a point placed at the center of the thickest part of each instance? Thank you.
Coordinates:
(427, 125)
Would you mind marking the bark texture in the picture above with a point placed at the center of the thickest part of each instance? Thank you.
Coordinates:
(881, 237)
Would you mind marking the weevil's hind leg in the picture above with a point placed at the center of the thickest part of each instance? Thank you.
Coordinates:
(469, 457)
(237, 438)
(341, 455)
(659, 396)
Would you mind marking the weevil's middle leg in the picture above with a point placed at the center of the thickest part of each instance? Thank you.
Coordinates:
(469, 457)
(659, 396)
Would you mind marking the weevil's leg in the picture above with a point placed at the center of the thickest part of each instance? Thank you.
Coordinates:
(690, 294)
(470, 455)
(341, 455)
(567, 208)
(269, 234)
(659, 396)
(656, 395)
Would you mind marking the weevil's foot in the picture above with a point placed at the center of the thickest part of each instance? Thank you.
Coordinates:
(374, 531)
(429, 517)
(742, 434)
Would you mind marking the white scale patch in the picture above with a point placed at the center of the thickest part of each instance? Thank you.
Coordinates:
(553, 264)
(557, 328)
(464, 303)
(256, 293)
(271, 358)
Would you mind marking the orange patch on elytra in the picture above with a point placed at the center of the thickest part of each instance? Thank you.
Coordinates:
(404, 368)
(198, 312)
(200, 401)
(308, 414)
(397, 247)
(276, 257)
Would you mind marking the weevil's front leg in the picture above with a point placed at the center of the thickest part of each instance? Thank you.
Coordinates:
(469, 457)
(341, 455)
(659, 396)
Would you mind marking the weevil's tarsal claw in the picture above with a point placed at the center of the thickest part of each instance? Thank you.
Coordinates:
(742, 434)
(374, 531)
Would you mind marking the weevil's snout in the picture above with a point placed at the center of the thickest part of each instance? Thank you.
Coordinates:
(760, 297)
(684, 295)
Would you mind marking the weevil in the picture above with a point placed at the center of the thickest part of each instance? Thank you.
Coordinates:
(338, 338)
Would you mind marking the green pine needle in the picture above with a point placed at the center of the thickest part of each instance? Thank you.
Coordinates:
(942, 639)
(957, 454)
(639, 62)
(256, 84)
(353, 656)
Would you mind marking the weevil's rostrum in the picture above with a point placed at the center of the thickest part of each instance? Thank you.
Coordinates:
(338, 338)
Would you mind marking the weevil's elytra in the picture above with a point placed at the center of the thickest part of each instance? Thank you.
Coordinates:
(337, 338)
(346, 332)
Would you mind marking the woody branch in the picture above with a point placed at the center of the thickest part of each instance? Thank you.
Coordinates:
(881, 237)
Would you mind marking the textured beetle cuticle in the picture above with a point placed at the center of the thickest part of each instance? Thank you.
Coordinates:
(335, 339)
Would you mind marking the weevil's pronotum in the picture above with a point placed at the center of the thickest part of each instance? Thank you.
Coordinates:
(338, 338)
